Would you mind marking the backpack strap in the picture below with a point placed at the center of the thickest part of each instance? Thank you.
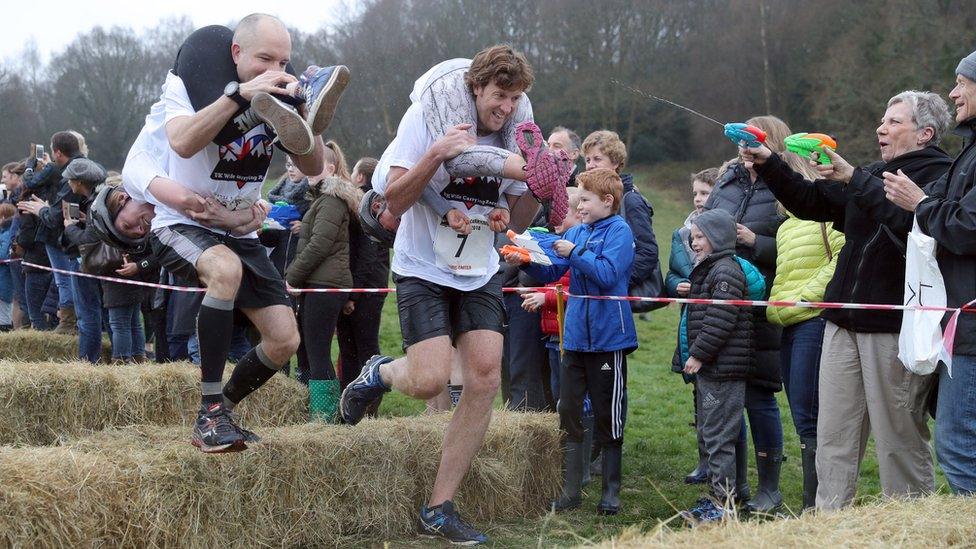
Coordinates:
(826, 242)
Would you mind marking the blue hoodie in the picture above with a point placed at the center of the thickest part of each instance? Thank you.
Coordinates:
(600, 264)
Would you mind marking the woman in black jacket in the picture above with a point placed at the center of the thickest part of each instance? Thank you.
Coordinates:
(36, 281)
(743, 193)
(864, 387)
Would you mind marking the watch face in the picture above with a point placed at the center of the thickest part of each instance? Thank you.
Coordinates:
(231, 88)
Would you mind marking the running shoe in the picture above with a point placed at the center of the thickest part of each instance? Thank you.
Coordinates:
(322, 87)
(292, 130)
(215, 431)
(249, 436)
(444, 522)
(363, 391)
(704, 511)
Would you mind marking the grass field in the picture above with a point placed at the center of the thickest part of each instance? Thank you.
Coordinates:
(659, 443)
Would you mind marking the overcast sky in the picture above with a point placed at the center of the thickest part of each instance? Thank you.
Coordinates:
(54, 24)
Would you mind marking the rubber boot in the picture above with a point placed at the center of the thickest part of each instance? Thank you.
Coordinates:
(323, 399)
(587, 448)
(573, 466)
(808, 455)
(700, 475)
(596, 460)
(610, 502)
(69, 322)
(742, 493)
(768, 498)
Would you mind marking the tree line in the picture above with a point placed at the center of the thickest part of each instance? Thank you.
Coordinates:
(828, 66)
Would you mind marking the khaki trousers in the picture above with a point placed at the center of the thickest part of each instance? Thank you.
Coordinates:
(865, 389)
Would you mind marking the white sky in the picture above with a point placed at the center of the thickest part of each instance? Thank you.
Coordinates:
(54, 24)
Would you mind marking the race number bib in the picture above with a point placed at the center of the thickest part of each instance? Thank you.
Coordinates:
(464, 255)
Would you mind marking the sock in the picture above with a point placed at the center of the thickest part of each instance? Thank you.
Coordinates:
(251, 372)
(217, 316)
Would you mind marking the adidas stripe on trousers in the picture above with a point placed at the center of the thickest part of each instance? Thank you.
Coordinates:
(604, 377)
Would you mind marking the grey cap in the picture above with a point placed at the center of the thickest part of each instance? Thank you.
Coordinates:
(967, 67)
(84, 170)
(718, 226)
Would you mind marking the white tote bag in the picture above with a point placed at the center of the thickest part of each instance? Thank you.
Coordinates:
(920, 342)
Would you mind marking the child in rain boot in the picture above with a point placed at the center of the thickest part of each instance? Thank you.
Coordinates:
(598, 334)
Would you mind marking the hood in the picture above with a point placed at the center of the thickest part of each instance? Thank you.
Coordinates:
(719, 228)
(628, 181)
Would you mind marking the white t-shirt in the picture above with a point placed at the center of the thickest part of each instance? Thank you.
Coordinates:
(414, 249)
(232, 173)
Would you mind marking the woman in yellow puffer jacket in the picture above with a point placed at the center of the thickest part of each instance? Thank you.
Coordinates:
(807, 254)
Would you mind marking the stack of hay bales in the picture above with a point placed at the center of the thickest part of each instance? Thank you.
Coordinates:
(98, 455)
(32, 345)
(934, 521)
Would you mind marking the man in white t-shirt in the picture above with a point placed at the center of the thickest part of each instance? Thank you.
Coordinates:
(446, 270)
(205, 149)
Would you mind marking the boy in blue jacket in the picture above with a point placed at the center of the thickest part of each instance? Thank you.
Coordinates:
(598, 333)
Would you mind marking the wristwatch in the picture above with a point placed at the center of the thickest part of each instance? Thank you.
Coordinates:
(233, 92)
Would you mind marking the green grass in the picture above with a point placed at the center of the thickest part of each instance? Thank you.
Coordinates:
(659, 443)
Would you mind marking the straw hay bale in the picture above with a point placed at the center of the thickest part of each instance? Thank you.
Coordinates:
(32, 345)
(935, 521)
(43, 402)
(306, 485)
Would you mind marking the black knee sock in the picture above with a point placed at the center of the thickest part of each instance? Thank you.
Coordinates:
(251, 372)
(215, 325)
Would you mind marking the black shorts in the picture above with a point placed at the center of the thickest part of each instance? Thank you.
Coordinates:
(178, 247)
(429, 310)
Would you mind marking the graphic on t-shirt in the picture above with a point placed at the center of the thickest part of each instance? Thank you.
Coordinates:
(472, 191)
(246, 158)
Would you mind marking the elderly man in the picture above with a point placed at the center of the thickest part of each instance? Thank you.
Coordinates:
(863, 387)
(946, 210)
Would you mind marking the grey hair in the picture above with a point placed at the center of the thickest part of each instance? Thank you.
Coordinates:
(929, 110)
(574, 138)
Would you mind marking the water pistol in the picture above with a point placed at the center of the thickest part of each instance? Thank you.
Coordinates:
(284, 213)
(738, 132)
(524, 255)
(805, 144)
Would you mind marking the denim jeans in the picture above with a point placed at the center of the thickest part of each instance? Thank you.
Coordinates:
(800, 363)
(61, 260)
(128, 338)
(764, 420)
(17, 278)
(36, 285)
(88, 309)
(239, 346)
(955, 424)
(526, 356)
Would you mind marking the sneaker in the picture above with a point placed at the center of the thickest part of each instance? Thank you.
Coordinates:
(293, 133)
(322, 87)
(363, 390)
(249, 436)
(704, 511)
(215, 431)
(445, 522)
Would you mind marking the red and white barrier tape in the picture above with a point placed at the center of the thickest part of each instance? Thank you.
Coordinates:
(968, 308)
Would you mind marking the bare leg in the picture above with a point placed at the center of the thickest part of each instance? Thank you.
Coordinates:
(481, 356)
(424, 372)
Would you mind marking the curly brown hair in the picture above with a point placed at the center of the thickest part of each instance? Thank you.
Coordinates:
(501, 65)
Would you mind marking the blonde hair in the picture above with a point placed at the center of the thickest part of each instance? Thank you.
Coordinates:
(82, 145)
(334, 156)
(601, 182)
(611, 145)
(574, 195)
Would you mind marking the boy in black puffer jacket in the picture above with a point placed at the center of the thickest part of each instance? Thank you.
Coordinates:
(720, 351)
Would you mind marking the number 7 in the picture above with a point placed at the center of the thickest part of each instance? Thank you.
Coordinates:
(464, 240)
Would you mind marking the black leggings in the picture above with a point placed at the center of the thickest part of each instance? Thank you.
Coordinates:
(359, 336)
(317, 318)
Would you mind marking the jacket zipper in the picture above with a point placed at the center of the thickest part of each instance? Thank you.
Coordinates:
(857, 278)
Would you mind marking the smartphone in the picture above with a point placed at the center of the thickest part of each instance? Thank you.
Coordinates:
(38, 151)
(73, 211)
